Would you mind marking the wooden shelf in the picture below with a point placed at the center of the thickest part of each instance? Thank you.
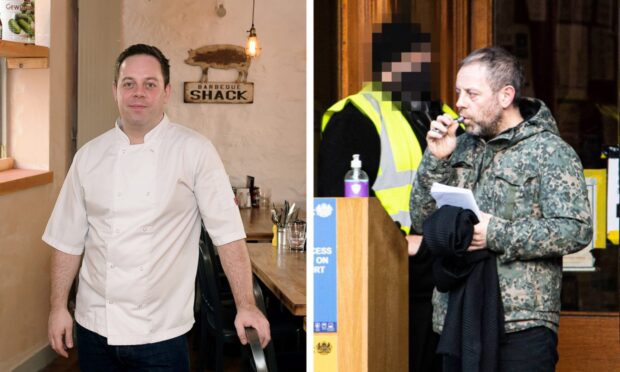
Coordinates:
(22, 50)
(20, 179)
(26, 62)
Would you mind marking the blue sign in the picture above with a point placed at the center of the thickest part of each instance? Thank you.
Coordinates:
(325, 259)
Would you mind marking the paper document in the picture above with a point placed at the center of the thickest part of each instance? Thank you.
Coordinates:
(454, 196)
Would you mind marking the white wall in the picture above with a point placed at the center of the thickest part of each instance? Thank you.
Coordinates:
(99, 43)
(265, 139)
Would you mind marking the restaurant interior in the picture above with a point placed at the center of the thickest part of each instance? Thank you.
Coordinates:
(59, 96)
(55, 95)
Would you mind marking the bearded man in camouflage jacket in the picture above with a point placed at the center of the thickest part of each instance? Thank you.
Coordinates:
(529, 182)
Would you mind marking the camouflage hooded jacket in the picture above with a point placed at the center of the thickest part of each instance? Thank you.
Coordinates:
(532, 183)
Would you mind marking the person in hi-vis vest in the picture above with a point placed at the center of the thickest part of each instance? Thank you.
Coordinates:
(386, 123)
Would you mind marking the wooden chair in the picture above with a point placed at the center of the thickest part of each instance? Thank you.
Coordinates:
(217, 314)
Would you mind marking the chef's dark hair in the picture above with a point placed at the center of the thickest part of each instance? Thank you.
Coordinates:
(149, 50)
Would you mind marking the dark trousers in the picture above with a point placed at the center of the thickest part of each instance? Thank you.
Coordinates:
(422, 340)
(95, 354)
(532, 350)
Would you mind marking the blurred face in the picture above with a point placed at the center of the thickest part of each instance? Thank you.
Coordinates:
(140, 92)
(477, 102)
(409, 77)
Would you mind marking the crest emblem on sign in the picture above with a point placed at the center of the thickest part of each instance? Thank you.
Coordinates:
(323, 348)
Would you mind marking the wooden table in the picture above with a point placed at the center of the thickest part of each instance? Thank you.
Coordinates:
(283, 273)
(257, 223)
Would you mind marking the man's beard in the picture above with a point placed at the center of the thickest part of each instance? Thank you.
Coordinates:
(488, 126)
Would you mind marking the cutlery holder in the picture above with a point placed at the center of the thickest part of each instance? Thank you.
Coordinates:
(282, 239)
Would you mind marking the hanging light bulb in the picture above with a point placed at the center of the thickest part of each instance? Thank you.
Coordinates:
(252, 47)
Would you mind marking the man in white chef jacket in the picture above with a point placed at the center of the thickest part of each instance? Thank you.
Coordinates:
(131, 208)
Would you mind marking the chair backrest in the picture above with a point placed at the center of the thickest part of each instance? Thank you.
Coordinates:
(210, 283)
(258, 355)
(223, 286)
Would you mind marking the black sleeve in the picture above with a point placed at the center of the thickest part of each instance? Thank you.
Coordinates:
(348, 132)
(421, 281)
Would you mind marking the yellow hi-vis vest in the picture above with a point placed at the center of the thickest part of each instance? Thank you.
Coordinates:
(400, 152)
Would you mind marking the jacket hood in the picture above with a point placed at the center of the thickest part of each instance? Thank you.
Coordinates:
(536, 119)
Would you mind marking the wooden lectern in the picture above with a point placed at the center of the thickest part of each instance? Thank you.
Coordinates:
(372, 289)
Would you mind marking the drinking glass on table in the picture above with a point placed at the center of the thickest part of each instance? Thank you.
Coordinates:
(297, 235)
(264, 197)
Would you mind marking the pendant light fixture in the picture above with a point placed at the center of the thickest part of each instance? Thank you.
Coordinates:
(252, 48)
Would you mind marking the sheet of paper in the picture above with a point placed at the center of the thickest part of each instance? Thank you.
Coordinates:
(455, 196)
(613, 195)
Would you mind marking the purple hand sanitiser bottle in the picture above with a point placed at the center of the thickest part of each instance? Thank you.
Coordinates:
(356, 180)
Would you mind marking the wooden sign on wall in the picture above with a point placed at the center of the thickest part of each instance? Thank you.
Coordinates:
(219, 56)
